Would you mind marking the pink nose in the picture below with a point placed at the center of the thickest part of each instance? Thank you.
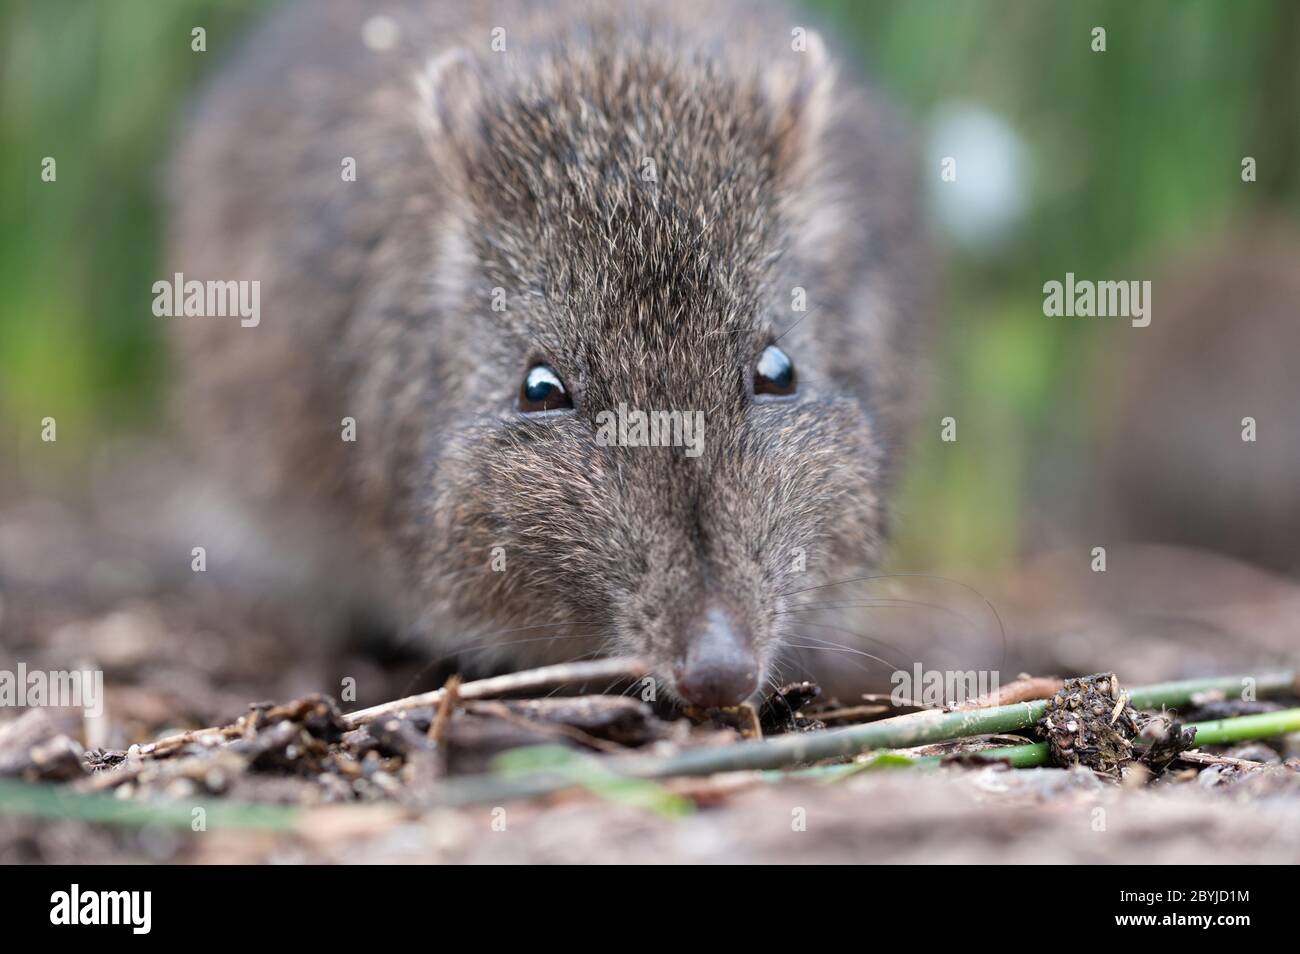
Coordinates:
(719, 668)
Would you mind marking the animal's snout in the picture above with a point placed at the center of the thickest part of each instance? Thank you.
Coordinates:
(719, 667)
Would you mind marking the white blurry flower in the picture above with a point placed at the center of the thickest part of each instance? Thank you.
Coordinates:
(978, 170)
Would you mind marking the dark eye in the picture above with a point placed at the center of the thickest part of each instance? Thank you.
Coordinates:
(774, 373)
(543, 390)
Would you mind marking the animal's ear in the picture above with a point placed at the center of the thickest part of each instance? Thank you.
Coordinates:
(452, 98)
(799, 89)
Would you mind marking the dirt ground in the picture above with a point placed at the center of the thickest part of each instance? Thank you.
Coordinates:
(182, 653)
(955, 817)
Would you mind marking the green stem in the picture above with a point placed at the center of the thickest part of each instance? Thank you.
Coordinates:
(1221, 732)
(921, 728)
(899, 732)
(1021, 756)
(1265, 725)
(1164, 694)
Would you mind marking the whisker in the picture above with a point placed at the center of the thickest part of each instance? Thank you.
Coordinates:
(849, 632)
(1002, 631)
(866, 670)
(884, 602)
(795, 323)
(828, 646)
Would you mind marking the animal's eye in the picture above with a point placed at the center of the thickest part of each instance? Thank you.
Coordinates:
(543, 390)
(774, 373)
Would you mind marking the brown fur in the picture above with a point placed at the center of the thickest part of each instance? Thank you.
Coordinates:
(522, 171)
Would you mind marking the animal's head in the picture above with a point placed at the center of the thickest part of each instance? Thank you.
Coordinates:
(675, 401)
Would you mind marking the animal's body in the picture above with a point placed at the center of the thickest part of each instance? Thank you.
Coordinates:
(630, 196)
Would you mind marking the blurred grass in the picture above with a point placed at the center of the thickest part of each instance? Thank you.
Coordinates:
(45, 800)
(98, 86)
(1134, 153)
(1131, 151)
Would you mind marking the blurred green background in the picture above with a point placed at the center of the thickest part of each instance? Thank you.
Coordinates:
(1120, 156)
